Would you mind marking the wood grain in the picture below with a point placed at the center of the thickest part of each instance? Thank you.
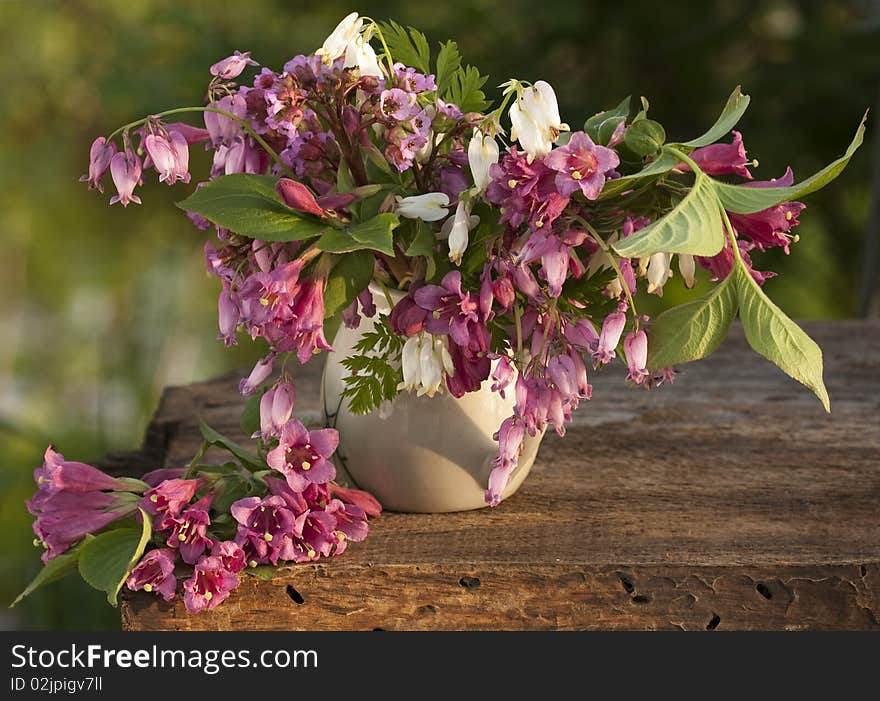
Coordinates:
(729, 501)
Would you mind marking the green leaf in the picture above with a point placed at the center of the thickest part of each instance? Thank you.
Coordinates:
(57, 568)
(338, 241)
(407, 45)
(645, 137)
(736, 106)
(772, 334)
(466, 90)
(344, 181)
(374, 367)
(744, 200)
(692, 330)
(661, 165)
(106, 560)
(423, 243)
(349, 277)
(693, 226)
(250, 417)
(377, 233)
(600, 127)
(448, 65)
(245, 456)
(249, 206)
(264, 572)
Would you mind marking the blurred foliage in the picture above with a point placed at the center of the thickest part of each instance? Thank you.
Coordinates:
(101, 307)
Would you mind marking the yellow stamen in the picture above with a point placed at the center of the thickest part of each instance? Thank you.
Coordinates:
(252, 563)
(181, 538)
(576, 174)
(264, 301)
(436, 313)
(340, 535)
(789, 216)
(311, 554)
(511, 183)
(208, 596)
(37, 543)
(539, 224)
(41, 480)
(148, 588)
(154, 498)
(795, 238)
(306, 465)
(267, 537)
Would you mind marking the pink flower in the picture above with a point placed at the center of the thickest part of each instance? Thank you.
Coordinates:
(453, 312)
(155, 573)
(503, 375)
(472, 367)
(265, 527)
(125, 169)
(303, 456)
(398, 104)
(276, 406)
(770, 227)
(297, 196)
(231, 554)
(722, 159)
(581, 164)
(259, 374)
(100, 155)
(612, 329)
(188, 531)
(366, 501)
(510, 437)
(228, 316)
(582, 335)
(193, 135)
(232, 66)
(57, 475)
(223, 129)
(170, 156)
(209, 585)
(635, 346)
(407, 318)
(167, 499)
(525, 192)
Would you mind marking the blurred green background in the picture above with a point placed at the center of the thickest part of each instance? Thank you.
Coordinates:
(101, 307)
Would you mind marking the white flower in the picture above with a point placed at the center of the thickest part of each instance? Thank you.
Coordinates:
(456, 229)
(482, 153)
(658, 272)
(424, 360)
(429, 207)
(535, 119)
(337, 43)
(359, 54)
(687, 268)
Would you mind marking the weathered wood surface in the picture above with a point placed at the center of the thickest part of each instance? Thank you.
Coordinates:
(729, 501)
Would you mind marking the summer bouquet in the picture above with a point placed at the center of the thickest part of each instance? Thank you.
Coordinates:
(514, 243)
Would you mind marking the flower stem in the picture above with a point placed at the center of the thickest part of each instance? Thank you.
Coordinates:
(608, 252)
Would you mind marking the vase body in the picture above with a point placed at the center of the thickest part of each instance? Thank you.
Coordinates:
(419, 454)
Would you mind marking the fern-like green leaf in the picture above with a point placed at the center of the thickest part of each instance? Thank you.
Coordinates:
(374, 367)
(466, 91)
(407, 45)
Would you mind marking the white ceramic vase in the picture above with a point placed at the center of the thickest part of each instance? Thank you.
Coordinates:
(419, 454)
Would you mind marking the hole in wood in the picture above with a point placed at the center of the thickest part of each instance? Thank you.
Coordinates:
(469, 582)
(295, 595)
(378, 629)
(763, 590)
(642, 599)
(863, 571)
(626, 583)
(713, 623)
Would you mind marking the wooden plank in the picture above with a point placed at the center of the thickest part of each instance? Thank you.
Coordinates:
(731, 495)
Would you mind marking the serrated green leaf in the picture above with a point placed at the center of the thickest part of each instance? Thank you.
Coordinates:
(448, 65)
(106, 560)
(466, 90)
(733, 111)
(57, 568)
(348, 278)
(744, 200)
(247, 458)
(772, 334)
(248, 205)
(407, 45)
(693, 226)
(694, 329)
(600, 127)
(645, 138)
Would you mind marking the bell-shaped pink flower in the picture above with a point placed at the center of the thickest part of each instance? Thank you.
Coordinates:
(582, 335)
(502, 375)
(364, 500)
(209, 585)
(297, 196)
(232, 66)
(188, 531)
(170, 156)
(100, 155)
(167, 499)
(612, 329)
(259, 374)
(223, 129)
(581, 165)
(276, 406)
(263, 527)
(635, 346)
(510, 437)
(723, 159)
(228, 316)
(125, 169)
(231, 554)
(155, 573)
(303, 456)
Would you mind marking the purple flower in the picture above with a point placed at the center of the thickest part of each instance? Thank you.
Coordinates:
(303, 456)
(188, 531)
(209, 585)
(100, 155)
(154, 477)
(366, 501)
(635, 346)
(722, 159)
(276, 406)
(411, 80)
(125, 169)
(525, 192)
(397, 104)
(472, 368)
(407, 318)
(231, 554)
(259, 374)
(510, 437)
(582, 335)
(57, 475)
(612, 329)
(452, 311)
(770, 227)
(351, 523)
(155, 573)
(65, 517)
(581, 164)
(167, 499)
(223, 129)
(503, 375)
(232, 66)
(170, 156)
(228, 316)
(264, 527)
